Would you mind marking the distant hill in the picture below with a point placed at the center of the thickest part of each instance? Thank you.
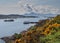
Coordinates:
(40, 15)
(45, 31)
(15, 16)
(26, 15)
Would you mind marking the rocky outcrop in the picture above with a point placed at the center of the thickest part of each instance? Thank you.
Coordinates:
(9, 39)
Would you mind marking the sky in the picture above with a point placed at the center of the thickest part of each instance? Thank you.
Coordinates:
(21, 6)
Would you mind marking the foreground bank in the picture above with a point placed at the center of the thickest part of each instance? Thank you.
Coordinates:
(45, 31)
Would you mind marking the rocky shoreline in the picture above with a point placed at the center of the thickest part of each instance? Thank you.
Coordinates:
(32, 34)
(11, 39)
(8, 39)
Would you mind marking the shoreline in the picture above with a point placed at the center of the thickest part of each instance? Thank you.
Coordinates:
(11, 38)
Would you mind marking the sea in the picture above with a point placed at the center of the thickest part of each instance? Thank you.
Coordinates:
(17, 26)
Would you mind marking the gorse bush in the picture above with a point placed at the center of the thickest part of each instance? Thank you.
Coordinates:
(46, 31)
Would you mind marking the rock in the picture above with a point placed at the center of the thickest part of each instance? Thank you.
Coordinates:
(8, 39)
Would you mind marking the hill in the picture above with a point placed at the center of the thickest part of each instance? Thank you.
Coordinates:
(45, 31)
(14, 16)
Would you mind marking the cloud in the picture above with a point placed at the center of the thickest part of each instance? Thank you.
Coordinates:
(28, 6)
(46, 9)
(23, 2)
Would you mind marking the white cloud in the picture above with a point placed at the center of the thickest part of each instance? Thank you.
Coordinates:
(45, 9)
(23, 2)
(27, 6)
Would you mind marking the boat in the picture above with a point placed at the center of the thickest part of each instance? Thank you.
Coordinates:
(9, 20)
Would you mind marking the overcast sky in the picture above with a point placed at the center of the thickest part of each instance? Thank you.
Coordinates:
(15, 6)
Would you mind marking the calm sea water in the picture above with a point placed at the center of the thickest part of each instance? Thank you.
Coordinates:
(9, 28)
(1, 41)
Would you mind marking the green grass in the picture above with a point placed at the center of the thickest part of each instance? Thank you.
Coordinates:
(51, 38)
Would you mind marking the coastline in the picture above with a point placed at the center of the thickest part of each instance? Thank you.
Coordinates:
(8, 39)
(12, 39)
(40, 25)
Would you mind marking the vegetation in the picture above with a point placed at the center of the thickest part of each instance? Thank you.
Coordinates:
(47, 31)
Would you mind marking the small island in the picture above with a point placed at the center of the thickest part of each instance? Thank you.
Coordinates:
(45, 31)
(9, 20)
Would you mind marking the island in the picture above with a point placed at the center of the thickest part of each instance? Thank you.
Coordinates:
(45, 31)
